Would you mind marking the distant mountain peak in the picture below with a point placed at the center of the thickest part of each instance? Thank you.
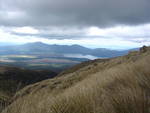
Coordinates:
(78, 46)
(43, 44)
(37, 43)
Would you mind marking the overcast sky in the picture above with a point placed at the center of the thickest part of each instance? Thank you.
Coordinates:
(115, 24)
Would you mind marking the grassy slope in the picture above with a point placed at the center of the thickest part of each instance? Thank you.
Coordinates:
(118, 85)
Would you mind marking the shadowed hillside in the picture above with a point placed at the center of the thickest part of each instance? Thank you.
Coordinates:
(117, 85)
(12, 79)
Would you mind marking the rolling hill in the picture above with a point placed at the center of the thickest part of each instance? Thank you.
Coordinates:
(116, 85)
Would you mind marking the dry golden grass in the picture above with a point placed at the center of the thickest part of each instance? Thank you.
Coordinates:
(3, 101)
(122, 86)
(125, 89)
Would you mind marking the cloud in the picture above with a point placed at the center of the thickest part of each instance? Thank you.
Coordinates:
(25, 30)
(113, 38)
(92, 23)
(101, 13)
(122, 31)
(138, 33)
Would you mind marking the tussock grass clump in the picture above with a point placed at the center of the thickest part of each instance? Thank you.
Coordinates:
(3, 103)
(124, 88)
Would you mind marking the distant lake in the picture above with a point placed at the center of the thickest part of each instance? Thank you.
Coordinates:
(91, 57)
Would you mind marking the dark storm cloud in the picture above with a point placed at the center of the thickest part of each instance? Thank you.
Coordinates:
(51, 36)
(56, 36)
(79, 13)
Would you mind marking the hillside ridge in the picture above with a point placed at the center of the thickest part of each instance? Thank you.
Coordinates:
(80, 71)
(89, 80)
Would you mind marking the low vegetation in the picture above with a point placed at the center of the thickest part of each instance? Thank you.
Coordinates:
(118, 85)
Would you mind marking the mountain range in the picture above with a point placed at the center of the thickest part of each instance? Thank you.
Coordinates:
(60, 50)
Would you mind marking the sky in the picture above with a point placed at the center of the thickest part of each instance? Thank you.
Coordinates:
(114, 24)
